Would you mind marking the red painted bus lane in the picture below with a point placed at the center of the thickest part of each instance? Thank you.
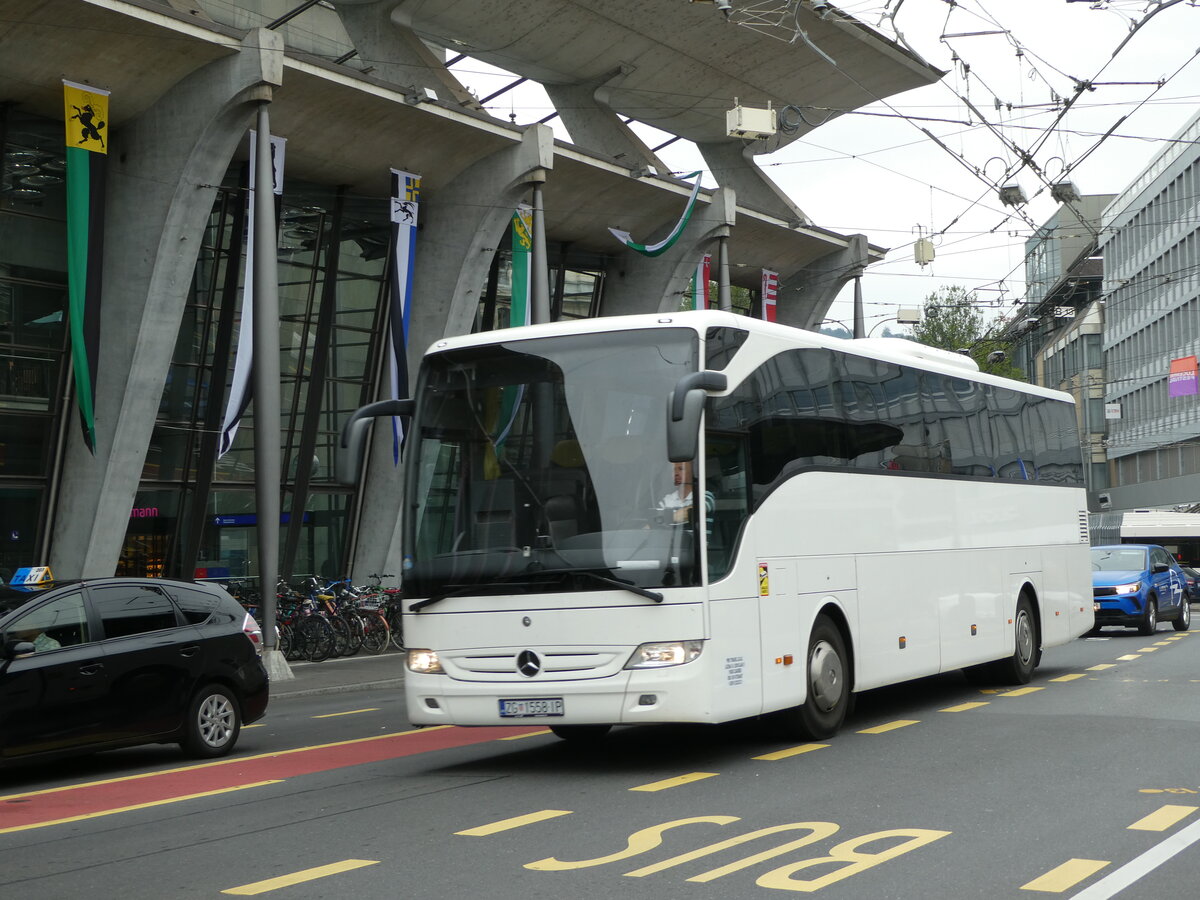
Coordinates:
(38, 809)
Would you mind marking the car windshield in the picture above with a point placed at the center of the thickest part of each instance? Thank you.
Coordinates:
(1118, 559)
(541, 465)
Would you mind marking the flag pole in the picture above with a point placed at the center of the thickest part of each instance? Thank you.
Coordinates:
(724, 300)
(540, 276)
(266, 393)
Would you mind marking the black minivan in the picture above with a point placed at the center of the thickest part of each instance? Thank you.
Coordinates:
(111, 662)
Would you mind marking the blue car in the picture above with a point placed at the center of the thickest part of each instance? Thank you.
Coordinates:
(1136, 585)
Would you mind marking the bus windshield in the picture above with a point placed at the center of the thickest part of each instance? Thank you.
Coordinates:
(541, 465)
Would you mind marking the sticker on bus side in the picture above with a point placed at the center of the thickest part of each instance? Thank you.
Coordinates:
(764, 582)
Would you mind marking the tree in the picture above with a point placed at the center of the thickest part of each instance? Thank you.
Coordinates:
(951, 320)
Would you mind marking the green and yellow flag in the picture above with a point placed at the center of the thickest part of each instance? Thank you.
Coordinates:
(86, 114)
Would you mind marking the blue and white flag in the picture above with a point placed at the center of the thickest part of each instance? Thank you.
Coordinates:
(406, 196)
(243, 363)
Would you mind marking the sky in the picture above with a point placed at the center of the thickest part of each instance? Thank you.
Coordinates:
(875, 172)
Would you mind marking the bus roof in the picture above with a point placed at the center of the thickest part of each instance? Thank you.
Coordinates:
(888, 349)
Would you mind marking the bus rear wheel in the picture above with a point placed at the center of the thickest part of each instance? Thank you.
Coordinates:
(827, 698)
(1027, 651)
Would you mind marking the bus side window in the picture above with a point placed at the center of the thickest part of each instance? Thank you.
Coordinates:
(726, 478)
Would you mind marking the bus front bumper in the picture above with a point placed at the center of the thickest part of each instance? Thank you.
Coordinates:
(673, 694)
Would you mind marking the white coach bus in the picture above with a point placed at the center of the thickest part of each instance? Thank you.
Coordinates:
(851, 514)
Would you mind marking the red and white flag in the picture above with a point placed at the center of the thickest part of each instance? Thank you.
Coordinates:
(770, 293)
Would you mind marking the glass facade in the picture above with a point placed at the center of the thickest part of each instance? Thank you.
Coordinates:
(194, 510)
(33, 306)
(332, 259)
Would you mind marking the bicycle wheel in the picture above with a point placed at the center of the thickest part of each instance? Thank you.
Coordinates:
(354, 622)
(316, 637)
(283, 639)
(377, 634)
(341, 635)
(395, 623)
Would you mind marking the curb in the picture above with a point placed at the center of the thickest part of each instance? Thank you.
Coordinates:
(338, 688)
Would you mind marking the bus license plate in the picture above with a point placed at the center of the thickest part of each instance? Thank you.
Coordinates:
(531, 709)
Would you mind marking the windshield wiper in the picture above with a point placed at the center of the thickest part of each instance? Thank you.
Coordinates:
(494, 588)
(617, 583)
(499, 587)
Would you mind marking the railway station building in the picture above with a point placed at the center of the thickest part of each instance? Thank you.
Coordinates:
(355, 90)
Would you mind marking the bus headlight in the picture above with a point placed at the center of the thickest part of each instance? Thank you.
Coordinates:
(1132, 588)
(671, 653)
(425, 662)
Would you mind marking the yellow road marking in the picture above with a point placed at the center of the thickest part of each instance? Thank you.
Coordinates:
(1102, 667)
(228, 761)
(963, 707)
(1071, 677)
(514, 822)
(1147, 649)
(519, 737)
(1164, 818)
(792, 751)
(1163, 643)
(1021, 692)
(1129, 656)
(890, 726)
(1066, 876)
(274, 884)
(350, 712)
(1167, 791)
(111, 812)
(674, 782)
(255, 725)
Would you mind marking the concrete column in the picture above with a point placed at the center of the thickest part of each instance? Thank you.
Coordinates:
(593, 125)
(732, 164)
(462, 225)
(380, 34)
(162, 169)
(806, 294)
(640, 284)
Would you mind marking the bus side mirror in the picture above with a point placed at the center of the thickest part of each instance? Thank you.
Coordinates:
(354, 436)
(683, 412)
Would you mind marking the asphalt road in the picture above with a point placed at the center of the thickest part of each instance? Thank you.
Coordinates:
(1079, 785)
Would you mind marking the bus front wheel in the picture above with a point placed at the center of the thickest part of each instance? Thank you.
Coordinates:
(827, 671)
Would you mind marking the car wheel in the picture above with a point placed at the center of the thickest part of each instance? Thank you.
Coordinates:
(1183, 621)
(1149, 623)
(828, 682)
(213, 723)
(580, 734)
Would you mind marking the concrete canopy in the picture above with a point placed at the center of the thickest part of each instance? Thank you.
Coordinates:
(673, 64)
(345, 127)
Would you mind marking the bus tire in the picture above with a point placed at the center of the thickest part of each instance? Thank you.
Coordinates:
(827, 698)
(1149, 623)
(581, 735)
(1027, 651)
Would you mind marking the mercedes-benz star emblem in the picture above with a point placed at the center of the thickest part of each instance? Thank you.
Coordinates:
(528, 663)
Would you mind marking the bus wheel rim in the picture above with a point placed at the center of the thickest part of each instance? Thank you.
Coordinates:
(1024, 637)
(825, 676)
